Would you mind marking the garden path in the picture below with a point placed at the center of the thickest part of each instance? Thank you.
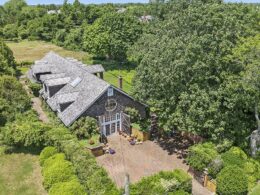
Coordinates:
(36, 101)
(141, 160)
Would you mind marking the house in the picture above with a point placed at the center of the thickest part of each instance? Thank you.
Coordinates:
(146, 18)
(53, 12)
(73, 89)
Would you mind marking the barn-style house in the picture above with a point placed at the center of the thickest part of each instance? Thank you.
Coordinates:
(73, 89)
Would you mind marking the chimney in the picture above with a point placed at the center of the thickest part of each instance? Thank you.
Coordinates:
(120, 82)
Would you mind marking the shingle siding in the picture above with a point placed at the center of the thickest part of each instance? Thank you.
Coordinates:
(98, 108)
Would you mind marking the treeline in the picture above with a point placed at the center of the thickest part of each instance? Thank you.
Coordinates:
(103, 30)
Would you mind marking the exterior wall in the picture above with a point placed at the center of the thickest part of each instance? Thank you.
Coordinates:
(54, 89)
(64, 106)
(98, 108)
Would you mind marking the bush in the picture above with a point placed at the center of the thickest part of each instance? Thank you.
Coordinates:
(51, 160)
(133, 113)
(234, 156)
(201, 155)
(46, 153)
(56, 172)
(163, 183)
(35, 87)
(67, 188)
(232, 181)
(215, 167)
(85, 127)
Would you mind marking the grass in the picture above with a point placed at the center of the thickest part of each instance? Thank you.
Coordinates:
(255, 190)
(29, 51)
(95, 138)
(20, 173)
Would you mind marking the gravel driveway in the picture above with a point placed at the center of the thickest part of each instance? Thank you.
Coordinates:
(141, 160)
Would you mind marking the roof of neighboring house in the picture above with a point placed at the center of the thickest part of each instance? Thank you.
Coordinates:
(82, 87)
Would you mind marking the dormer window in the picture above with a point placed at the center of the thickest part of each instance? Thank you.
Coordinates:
(110, 92)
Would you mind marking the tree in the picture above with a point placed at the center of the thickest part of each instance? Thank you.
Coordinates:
(7, 62)
(13, 8)
(13, 98)
(183, 73)
(111, 35)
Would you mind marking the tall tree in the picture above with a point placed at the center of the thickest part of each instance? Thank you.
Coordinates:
(184, 75)
(111, 35)
(7, 62)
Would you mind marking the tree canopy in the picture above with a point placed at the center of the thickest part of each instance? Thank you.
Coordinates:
(184, 73)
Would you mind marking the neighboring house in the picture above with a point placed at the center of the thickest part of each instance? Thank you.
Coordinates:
(73, 90)
(121, 10)
(53, 12)
(146, 18)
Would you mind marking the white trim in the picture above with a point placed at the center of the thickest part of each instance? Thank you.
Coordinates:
(104, 123)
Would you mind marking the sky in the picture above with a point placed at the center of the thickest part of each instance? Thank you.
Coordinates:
(35, 2)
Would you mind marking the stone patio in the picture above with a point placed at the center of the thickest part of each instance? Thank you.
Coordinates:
(140, 161)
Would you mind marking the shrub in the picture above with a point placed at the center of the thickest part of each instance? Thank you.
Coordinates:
(234, 156)
(67, 188)
(85, 127)
(35, 87)
(232, 181)
(46, 153)
(58, 171)
(53, 159)
(163, 183)
(201, 155)
(133, 113)
(215, 167)
(224, 145)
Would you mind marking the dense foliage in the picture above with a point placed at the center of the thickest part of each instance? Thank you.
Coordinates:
(163, 183)
(111, 35)
(13, 99)
(201, 155)
(205, 157)
(85, 127)
(185, 72)
(46, 153)
(7, 62)
(232, 181)
(67, 188)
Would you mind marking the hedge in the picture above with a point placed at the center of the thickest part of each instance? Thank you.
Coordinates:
(67, 188)
(163, 183)
(232, 181)
(57, 171)
(46, 153)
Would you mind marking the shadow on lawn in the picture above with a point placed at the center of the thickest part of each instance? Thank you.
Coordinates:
(26, 150)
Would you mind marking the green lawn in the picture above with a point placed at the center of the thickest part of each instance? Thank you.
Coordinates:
(29, 51)
(255, 190)
(20, 174)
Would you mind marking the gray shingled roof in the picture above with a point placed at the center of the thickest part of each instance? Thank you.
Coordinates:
(51, 76)
(57, 81)
(83, 95)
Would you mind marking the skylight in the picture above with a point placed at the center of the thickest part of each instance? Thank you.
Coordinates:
(75, 82)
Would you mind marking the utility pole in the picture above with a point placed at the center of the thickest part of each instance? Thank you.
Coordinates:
(127, 182)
